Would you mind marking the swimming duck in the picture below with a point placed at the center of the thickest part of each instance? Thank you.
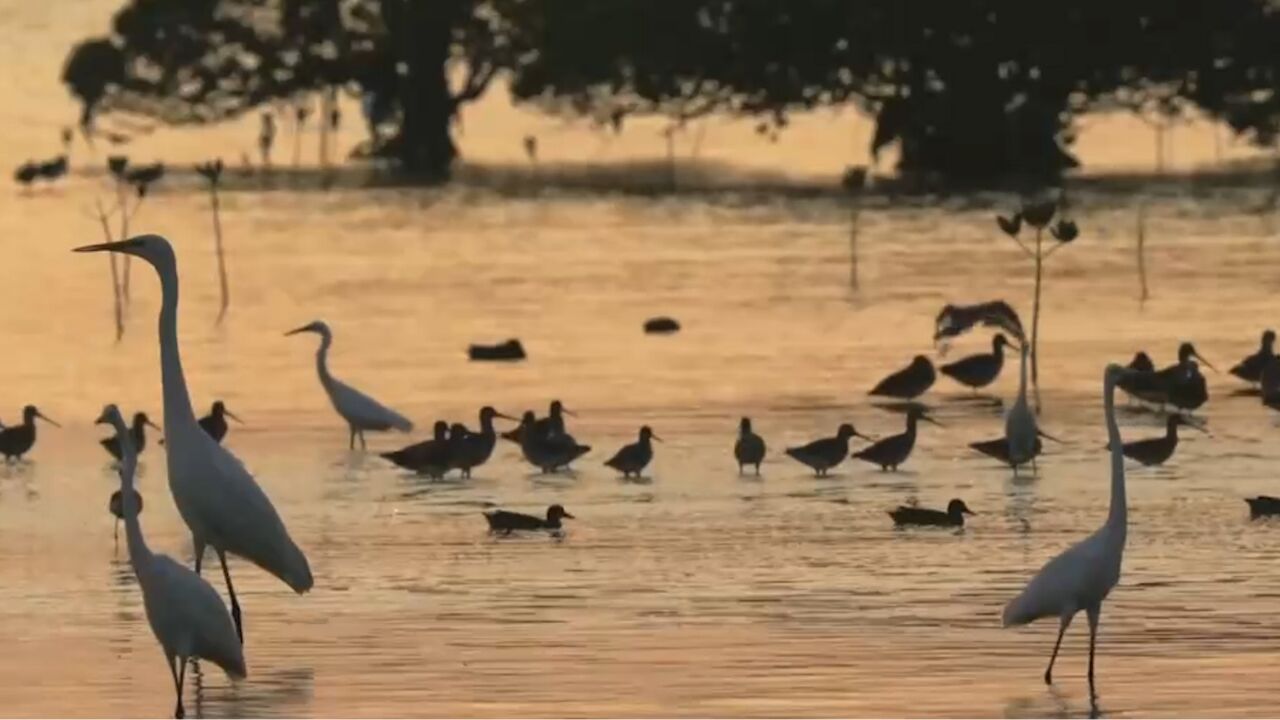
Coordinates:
(823, 454)
(909, 382)
(749, 449)
(138, 431)
(980, 370)
(953, 517)
(632, 459)
(1263, 506)
(506, 522)
(16, 440)
(894, 450)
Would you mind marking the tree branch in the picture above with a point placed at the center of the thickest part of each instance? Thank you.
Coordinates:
(479, 75)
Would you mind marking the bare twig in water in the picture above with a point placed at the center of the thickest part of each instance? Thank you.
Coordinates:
(115, 274)
(212, 171)
(1142, 252)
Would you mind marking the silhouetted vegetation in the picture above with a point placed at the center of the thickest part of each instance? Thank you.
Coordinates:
(970, 92)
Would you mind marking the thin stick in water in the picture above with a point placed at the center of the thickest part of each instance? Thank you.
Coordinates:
(1142, 252)
(115, 275)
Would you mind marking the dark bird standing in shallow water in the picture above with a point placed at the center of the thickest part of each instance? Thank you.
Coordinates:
(473, 449)
(429, 457)
(1250, 368)
(215, 423)
(894, 450)
(138, 432)
(548, 453)
(506, 522)
(16, 440)
(749, 449)
(823, 454)
(999, 449)
(909, 382)
(1156, 450)
(1180, 384)
(632, 459)
(116, 506)
(1263, 506)
(953, 517)
(980, 370)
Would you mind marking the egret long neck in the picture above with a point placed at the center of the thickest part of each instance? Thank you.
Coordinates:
(138, 549)
(1022, 376)
(322, 359)
(1118, 517)
(177, 401)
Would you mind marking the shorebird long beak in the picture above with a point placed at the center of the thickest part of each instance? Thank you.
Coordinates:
(102, 419)
(1207, 364)
(505, 416)
(655, 437)
(232, 415)
(929, 418)
(568, 412)
(864, 437)
(153, 425)
(123, 246)
(47, 419)
(1047, 436)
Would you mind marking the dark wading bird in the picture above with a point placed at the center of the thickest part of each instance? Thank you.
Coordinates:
(1082, 576)
(999, 449)
(1250, 368)
(823, 454)
(1156, 450)
(116, 506)
(506, 522)
(429, 457)
(138, 433)
(894, 450)
(544, 443)
(185, 613)
(956, 320)
(16, 440)
(909, 382)
(1180, 384)
(215, 423)
(553, 423)
(952, 517)
(632, 459)
(749, 448)
(980, 370)
(1263, 506)
(472, 449)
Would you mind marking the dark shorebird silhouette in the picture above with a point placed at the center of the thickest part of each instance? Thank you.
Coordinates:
(1143, 381)
(553, 423)
(429, 457)
(980, 370)
(1250, 368)
(507, 522)
(1141, 362)
(53, 169)
(823, 454)
(547, 452)
(952, 517)
(16, 440)
(955, 320)
(1188, 389)
(1263, 506)
(138, 431)
(27, 173)
(1156, 450)
(999, 449)
(116, 506)
(632, 459)
(472, 449)
(749, 448)
(894, 450)
(909, 382)
(215, 423)
(1180, 384)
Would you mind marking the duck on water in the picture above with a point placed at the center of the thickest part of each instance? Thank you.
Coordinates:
(953, 516)
(506, 522)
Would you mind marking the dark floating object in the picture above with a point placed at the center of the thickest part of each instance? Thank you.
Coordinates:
(956, 320)
(1250, 368)
(506, 522)
(508, 351)
(1263, 506)
(953, 517)
(909, 382)
(661, 326)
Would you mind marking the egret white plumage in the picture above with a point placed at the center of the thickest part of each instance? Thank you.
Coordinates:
(184, 611)
(359, 410)
(1081, 577)
(1020, 430)
(218, 499)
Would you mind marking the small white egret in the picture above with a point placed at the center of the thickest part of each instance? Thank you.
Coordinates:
(359, 410)
(184, 611)
(218, 499)
(1082, 576)
(1020, 429)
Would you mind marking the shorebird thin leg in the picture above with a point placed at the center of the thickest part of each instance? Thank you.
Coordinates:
(1048, 673)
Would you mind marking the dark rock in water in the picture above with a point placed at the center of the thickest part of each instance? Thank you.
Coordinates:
(661, 326)
(509, 350)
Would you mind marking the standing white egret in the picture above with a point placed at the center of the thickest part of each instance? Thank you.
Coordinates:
(359, 410)
(184, 611)
(1020, 429)
(1081, 577)
(218, 499)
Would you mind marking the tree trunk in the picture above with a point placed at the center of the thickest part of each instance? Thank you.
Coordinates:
(423, 33)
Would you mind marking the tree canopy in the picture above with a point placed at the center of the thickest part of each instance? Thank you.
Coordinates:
(970, 91)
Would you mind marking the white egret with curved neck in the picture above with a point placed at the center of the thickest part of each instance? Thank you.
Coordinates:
(184, 611)
(359, 410)
(218, 499)
(1083, 575)
(1020, 430)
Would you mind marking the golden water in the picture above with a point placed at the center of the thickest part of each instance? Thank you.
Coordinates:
(698, 592)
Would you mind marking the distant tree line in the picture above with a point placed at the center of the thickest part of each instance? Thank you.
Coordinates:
(972, 92)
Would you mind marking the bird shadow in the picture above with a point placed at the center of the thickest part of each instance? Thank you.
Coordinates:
(636, 480)
(283, 693)
(1053, 704)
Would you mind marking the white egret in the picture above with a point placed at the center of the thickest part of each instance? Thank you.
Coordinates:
(1020, 430)
(1081, 577)
(218, 499)
(359, 410)
(184, 611)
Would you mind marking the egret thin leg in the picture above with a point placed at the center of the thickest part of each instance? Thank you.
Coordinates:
(235, 604)
(1094, 614)
(179, 670)
(351, 444)
(1048, 673)
(199, 551)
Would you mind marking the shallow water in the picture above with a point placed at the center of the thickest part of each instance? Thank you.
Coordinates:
(695, 592)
